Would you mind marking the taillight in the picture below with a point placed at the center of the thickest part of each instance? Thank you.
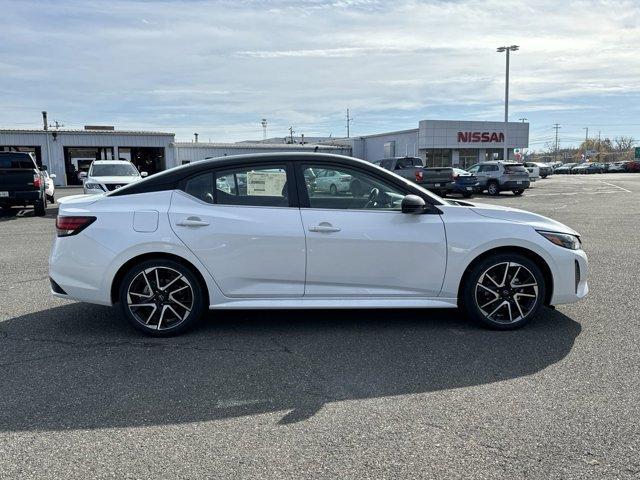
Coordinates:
(37, 181)
(67, 226)
(419, 176)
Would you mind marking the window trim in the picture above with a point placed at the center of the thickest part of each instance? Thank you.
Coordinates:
(214, 171)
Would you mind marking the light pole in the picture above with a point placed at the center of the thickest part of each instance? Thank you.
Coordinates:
(509, 49)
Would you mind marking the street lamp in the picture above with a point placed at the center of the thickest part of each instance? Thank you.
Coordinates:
(509, 49)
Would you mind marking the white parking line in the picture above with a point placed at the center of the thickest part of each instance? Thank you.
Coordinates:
(612, 185)
(608, 192)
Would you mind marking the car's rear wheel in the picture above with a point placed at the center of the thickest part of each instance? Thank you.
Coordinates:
(518, 191)
(493, 188)
(40, 207)
(161, 297)
(504, 292)
(467, 194)
(333, 190)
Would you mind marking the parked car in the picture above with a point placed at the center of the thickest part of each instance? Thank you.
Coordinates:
(617, 167)
(22, 182)
(165, 249)
(633, 166)
(544, 169)
(49, 186)
(565, 168)
(331, 181)
(555, 165)
(436, 179)
(534, 171)
(580, 168)
(497, 176)
(594, 167)
(107, 175)
(464, 183)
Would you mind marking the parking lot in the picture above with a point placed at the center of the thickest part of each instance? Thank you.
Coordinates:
(331, 394)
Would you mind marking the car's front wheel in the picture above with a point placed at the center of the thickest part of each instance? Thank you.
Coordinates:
(161, 297)
(493, 188)
(504, 292)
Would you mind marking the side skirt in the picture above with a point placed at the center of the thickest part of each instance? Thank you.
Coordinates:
(311, 303)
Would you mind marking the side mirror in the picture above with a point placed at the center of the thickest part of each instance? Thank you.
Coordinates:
(83, 175)
(53, 175)
(413, 204)
(143, 174)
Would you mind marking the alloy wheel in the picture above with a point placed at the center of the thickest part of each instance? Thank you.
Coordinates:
(160, 298)
(506, 292)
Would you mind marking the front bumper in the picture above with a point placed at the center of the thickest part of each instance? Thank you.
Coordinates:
(569, 276)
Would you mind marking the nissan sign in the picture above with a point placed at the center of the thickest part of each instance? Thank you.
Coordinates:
(480, 137)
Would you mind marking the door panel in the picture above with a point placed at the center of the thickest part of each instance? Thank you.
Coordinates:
(250, 251)
(377, 253)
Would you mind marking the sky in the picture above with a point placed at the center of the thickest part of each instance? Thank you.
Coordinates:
(219, 67)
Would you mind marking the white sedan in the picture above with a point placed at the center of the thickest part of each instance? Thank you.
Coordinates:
(169, 247)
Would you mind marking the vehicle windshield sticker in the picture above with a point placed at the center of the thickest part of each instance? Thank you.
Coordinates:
(266, 183)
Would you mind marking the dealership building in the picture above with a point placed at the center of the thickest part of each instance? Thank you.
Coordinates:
(445, 143)
(438, 142)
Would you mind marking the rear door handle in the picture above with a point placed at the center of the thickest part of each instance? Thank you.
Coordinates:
(192, 222)
(324, 227)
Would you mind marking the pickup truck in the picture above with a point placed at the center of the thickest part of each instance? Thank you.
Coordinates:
(437, 179)
(21, 182)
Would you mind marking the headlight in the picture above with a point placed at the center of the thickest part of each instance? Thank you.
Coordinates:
(93, 186)
(566, 240)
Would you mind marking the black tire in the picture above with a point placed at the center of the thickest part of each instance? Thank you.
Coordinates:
(333, 190)
(179, 317)
(518, 191)
(493, 188)
(467, 194)
(51, 199)
(543, 176)
(501, 318)
(40, 207)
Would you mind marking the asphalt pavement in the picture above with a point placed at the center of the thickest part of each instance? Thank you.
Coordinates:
(331, 394)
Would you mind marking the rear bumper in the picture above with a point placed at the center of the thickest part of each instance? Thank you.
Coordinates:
(438, 186)
(21, 198)
(513, 184)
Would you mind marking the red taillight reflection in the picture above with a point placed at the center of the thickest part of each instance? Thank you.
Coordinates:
(36, 181)
(67, 226)
(419, 175)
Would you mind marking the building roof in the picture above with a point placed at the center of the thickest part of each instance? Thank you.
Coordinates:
(85, 132)
(266, 146)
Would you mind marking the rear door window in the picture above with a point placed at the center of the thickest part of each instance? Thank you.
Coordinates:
(514, 169)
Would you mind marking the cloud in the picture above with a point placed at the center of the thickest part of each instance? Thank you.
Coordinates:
(219, 67)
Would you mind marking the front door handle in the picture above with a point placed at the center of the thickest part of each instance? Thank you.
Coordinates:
(192, 222)
(324, 227)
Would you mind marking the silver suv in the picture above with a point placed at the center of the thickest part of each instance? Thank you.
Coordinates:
(498, 176)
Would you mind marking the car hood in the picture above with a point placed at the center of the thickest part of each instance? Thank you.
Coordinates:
(516, 215)
(120, 180)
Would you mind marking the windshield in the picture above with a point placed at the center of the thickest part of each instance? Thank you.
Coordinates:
(114, 170)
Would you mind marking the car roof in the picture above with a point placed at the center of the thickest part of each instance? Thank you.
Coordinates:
(111, 162)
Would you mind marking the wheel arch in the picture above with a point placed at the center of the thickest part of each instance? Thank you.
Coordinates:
(124, 268)
(531, 255)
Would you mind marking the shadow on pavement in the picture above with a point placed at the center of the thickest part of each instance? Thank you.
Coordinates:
(80, 367)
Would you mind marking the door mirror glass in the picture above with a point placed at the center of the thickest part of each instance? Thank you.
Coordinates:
(413, 204)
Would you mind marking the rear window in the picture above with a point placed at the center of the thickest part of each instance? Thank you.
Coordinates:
(16, 161)
(515, 169)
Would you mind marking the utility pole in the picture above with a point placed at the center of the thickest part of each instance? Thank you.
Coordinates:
(348, 122)
(195, 136)
(512, 48)
(291, 132)
(556, 126)
(586, 135)
(264, 128)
